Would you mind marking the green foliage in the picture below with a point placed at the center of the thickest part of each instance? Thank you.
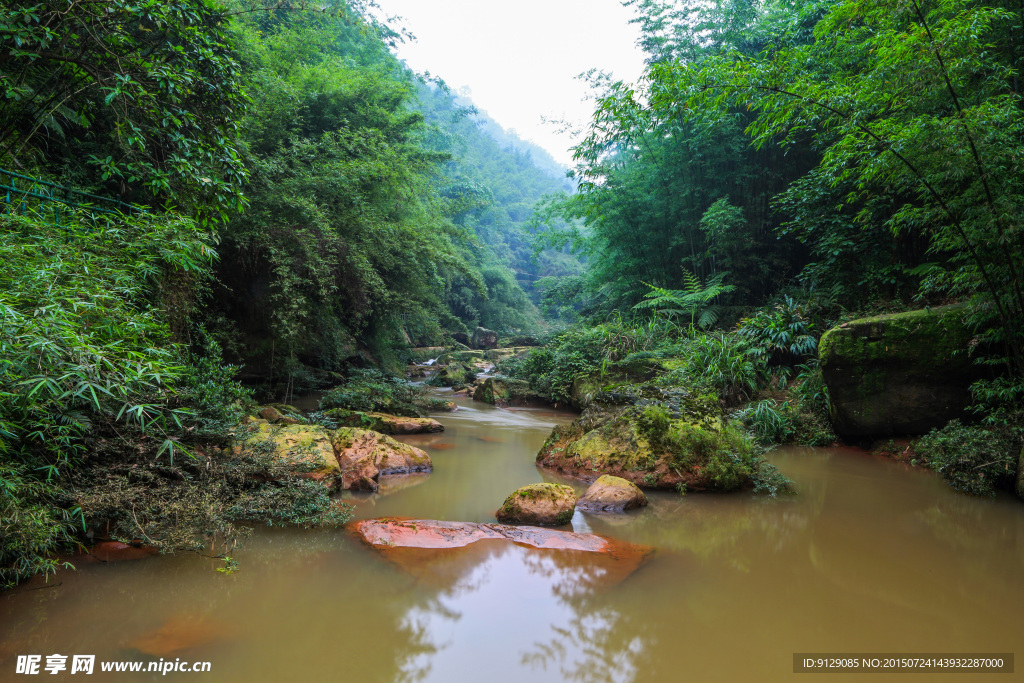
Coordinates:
(783, 333)
(999, 400)
(973, 459)
(552, 369)
(917, 105)
(654, 422)
(149, 92)
(210, 389)
(775, 422)
(84, 338)
(723, 361)
(346, 242)
(198, 504)
(663, 186)
(375, 391)
(770, 422)
(87, 313)
(695, 300)
(811, 391)
(33, 524)
(768, 479)
(727, 457)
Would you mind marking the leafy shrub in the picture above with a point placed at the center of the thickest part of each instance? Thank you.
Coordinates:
(772, 422)
(999, 400)
(783, 333)
(551, 370)
(34, 525)
(810, 389)
(88, 313)
(769, 421)
(694, 302)
(371, 390)
(209, 387)
(718, 360)
(973, 459)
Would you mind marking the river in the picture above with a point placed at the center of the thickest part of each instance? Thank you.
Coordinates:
(871, 556)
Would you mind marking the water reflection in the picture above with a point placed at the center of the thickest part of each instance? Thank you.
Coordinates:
(499, 607)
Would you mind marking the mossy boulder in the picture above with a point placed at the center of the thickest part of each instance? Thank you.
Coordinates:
(484, 338)
(612, 494)
(539, 504)
(281, 413)
(501, 391)
(494, 391)
(464, 356)
(651, 448)
(585, 389)
(904, 373)
(295, 450)
(384, 423)
(453, 374)
(364, 456)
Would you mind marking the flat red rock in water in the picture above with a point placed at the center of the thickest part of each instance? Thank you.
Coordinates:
(438, 550)
(114, 551)
(179, 633)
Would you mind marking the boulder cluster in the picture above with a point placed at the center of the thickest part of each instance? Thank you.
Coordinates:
(554, 504)
(349, 457)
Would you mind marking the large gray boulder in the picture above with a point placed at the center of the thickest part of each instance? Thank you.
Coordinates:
(904, 373)
(484, 338)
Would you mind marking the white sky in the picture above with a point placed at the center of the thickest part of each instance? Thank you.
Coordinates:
(520, 59)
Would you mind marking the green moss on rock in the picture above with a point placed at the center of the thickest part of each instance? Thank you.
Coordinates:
(384, 423)
(653, 450)
(501, 391)
(904, 373)
(544, 504)
(295, 450)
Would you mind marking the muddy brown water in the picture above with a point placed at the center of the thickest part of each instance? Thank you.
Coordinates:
(871, 556)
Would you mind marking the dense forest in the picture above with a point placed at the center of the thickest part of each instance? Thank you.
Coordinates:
(214, 203)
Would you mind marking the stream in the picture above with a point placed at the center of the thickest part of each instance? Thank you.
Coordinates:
(872, 555)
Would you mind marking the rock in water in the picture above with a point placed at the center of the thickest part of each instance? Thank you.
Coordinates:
(115, 551)
(349, 457)
(695, 450)
(550, 504)
(612, 494)
(303, 450)
(444, 552)
(504, 392)
(364, 456)
(904, 373)
(181, 633)
(384, 423)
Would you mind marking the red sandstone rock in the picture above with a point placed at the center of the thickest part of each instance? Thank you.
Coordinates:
(364, 456)
(444, 551)
(115, 551)
(179, 633)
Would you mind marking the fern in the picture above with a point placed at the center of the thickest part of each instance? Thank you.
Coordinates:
(694, 301)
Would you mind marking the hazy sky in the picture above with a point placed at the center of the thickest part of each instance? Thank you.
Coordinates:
(520, 59)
